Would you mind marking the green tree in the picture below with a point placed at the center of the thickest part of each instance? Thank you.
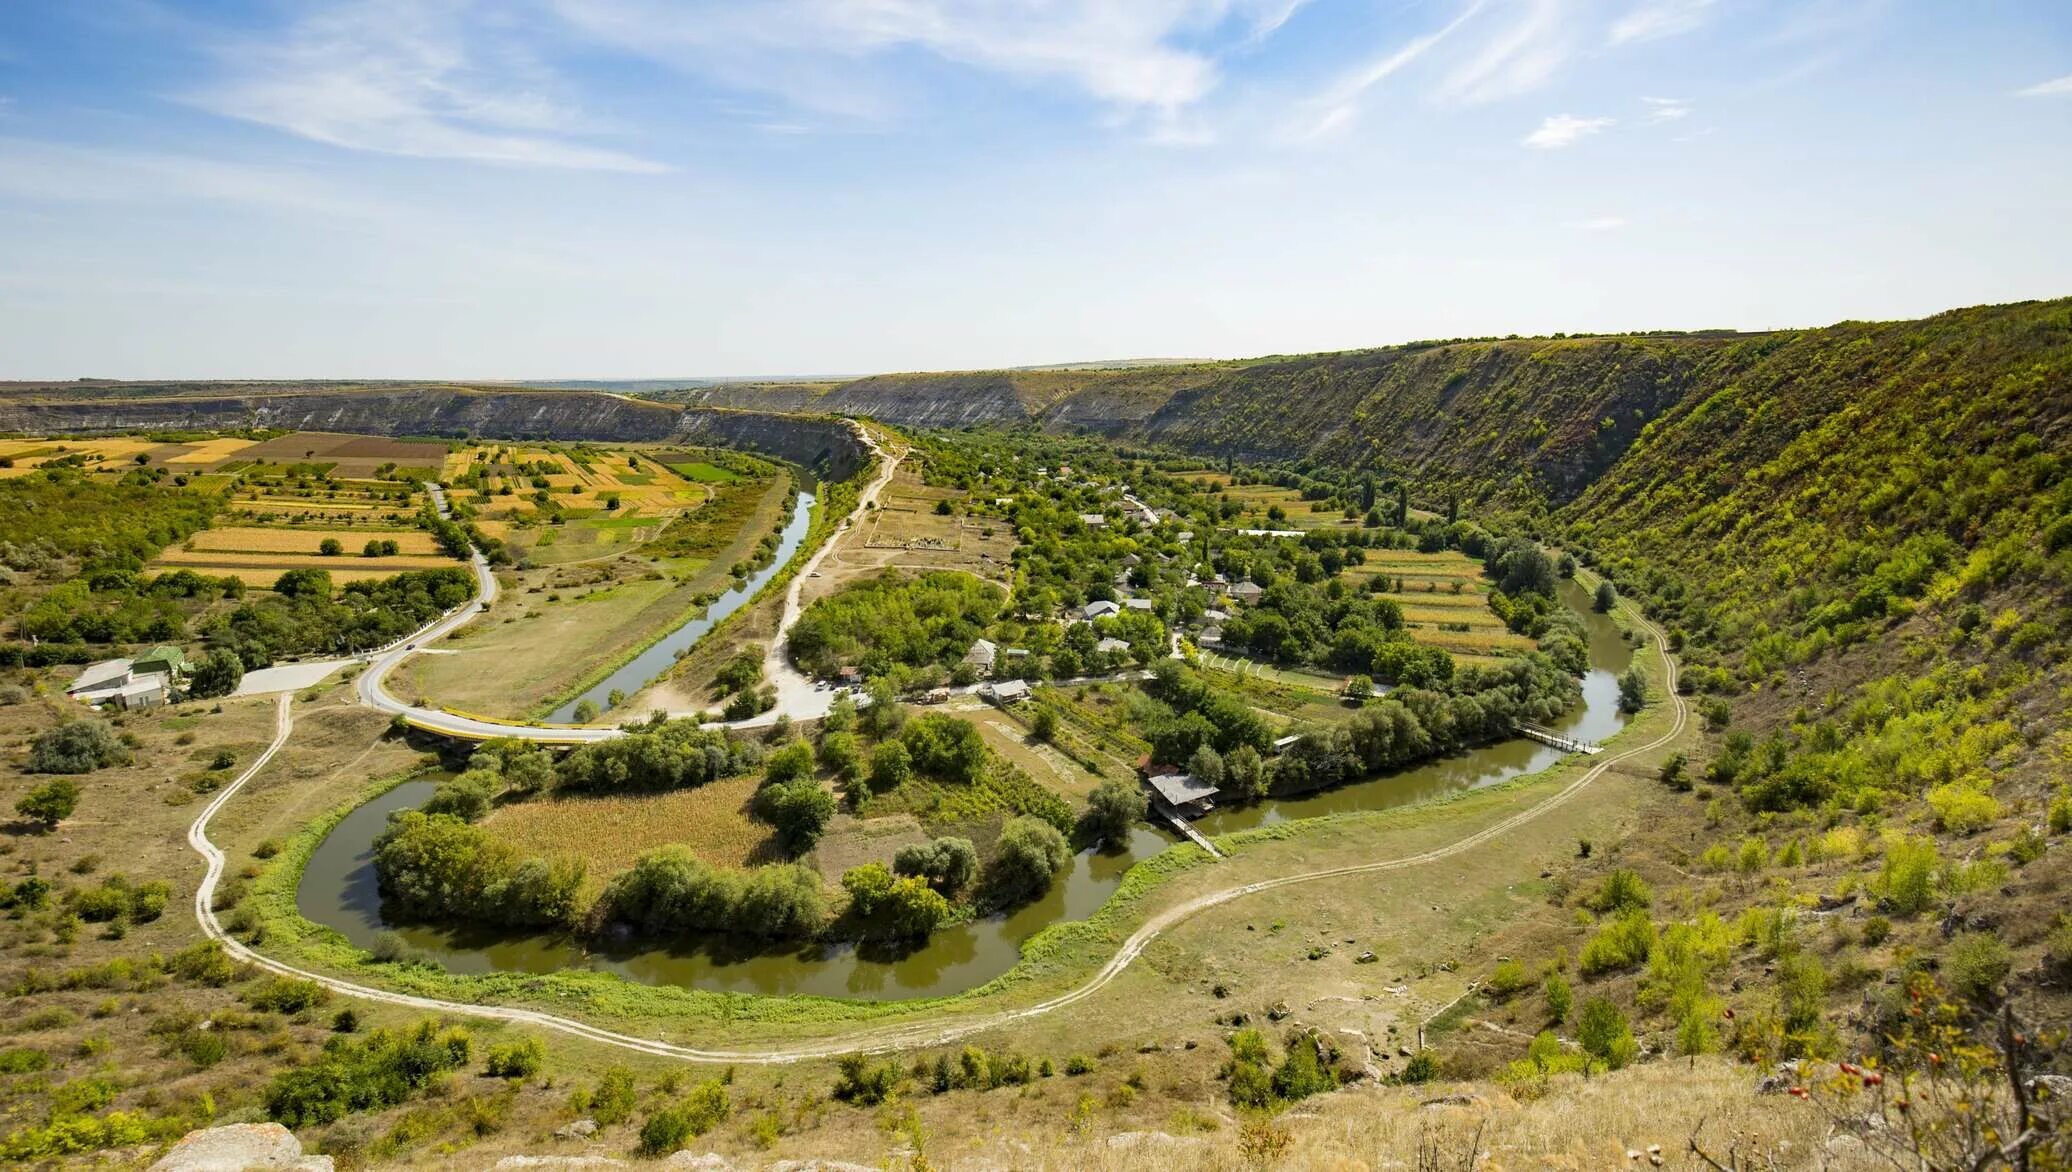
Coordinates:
(218, 674)
(1605, 599)
(840, 755)
(947, 863)
(1113, 807)
(330, 547)
(1029, 854)
(1560, 998)
(1044, 725)
(799, 810)
(1603, 1033)
(891, 767)
(1633, 690)
(50, 803)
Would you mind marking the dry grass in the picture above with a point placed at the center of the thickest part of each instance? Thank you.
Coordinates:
(609, 833)
(215, 451)
(203, 560)
(244, 539)
(852, 842)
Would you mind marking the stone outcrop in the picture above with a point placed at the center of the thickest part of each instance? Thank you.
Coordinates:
(238, 1147)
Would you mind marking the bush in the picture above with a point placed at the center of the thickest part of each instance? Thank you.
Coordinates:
(1113, 807)
(798, 810)
(286, 995)
(1906, 879)
(382, 1071)
(1975, 963)
(1622, 890)
(1079, 1064)
(1960, 809)
(670, 1128)
(1560, 998)
(466, 797)
(1603, 1033)
(1620, 943)
(1029, 853)
(50, 803)
(863, 1083)
(1507, 980)
(891, 767)
(80, 746)
(671, 892)
(1633, 690)
(947, 863)
(1422, 1068)
(612, 1102)
(521, 1059)
(218, 674)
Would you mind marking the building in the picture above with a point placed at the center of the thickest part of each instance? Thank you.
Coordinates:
(1100, 609)
(100, 681)
(1008, 692)
(166, 660)
(1185, 793)
(1093, 520)
(1210, 637)
(1212, 615)
(1247, 591)
(1143, 604)
(1283, 744)
(142, 692)
(1112, 646)
(982, 656)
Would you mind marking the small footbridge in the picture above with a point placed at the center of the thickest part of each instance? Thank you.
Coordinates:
(1548, 736)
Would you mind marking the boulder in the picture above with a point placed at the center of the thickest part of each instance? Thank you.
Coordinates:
(703, 1161)
(512, 1162)
(236, 1147)
(580, 1129)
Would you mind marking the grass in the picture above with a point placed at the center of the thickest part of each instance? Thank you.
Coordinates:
(704, 473)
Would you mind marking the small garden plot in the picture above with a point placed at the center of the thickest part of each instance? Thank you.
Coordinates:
(852, 842)
(1047, 764)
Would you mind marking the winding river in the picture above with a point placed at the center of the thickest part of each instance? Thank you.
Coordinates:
(648, 666)
(338, 888)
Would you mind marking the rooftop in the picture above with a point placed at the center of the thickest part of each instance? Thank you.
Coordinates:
(1181, 789)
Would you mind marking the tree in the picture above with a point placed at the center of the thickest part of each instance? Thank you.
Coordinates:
(1604, 1035)
(1633, 690)
(1245, 773)
(947, 863)
(790, 763)
(891, 767)
(1606, 598)
(1208, 765)
(50, 804)
(586, 711)
(1359, 689)
(303, 584)
(330, 547)
(840, 755)
(1029, 853)
(798, 810)
(80, 746)
(1044, 725)
(218, 674)
(1113, 807)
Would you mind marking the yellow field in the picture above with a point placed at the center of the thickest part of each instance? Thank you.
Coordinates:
(113, 453)
(243, 539)
(351, 559)
(609, 833)
(210, 451)
(576, 484)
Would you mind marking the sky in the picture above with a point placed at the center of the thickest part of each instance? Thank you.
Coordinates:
(671, 188)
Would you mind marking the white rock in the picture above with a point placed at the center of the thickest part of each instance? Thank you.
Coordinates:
(560, 1162)
(580, 1129)
(236, 1147)
(707, 1161)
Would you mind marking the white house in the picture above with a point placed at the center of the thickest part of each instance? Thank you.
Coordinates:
(100, 681)
(1093, 520)
(1099, 609)
(1008, 692)
(1143, 604)
(1111, 645)
(983, 655)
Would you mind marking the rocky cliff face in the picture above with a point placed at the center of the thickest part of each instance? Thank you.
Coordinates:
(824, 444)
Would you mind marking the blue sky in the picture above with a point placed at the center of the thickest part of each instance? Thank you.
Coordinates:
(630, 188)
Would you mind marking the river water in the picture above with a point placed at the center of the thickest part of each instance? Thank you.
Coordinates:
(338, 888)
(648, 666)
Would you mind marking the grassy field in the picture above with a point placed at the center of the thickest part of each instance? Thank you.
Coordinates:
(1445, 601)
(563, 621)
(1256, 499)
(906, 531)
(609, 833)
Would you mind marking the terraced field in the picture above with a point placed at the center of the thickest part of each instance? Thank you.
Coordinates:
(1445, 601)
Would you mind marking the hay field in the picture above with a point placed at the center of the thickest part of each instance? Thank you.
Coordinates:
(210, 452)
(106, 454)
(1256, 499)
(609, 833)
(906, 532)
(263, 539)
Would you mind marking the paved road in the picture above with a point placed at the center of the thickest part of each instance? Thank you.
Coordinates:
(924, 1032)
(797, 695)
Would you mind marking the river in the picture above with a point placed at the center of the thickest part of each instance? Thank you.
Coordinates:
(338, 888)
(649, 665)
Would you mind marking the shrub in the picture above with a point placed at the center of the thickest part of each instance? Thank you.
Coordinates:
(863, 1083)
(1906, 879)
(1603, 1033)
(891, 767)
(381, 1071)
(670, 1128)
(50, 803)
(1975, 963)
(1560, 998)
(286, 995)
(799, 810)
(1960, 809)
(521, 1059)
(947, 863)
(81, 746)
(1506, 980)
(612, 1102)
(1622, 890)
(1079, 1064)
(1620, 943)
(1753, 856)
(1305, 1071)
(1876, 931)
(1423, 1067)
(671, 892)
(466, 797)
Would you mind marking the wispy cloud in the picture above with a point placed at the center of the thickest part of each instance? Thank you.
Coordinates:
(1335, 109)
(1561, 130)
(56, 173)
(1150, 58)
(403, 78)
(1661, 110)
(2057, 87)
(1603, 224)
(1659, 18)
(1534, 42)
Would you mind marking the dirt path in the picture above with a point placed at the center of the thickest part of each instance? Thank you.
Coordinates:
(917, 1034)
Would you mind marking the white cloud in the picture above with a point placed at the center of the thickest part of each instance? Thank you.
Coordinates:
(1530, 48)
(1665, 109)
(57, 173)
(1603, 224)
(1659, 18)
(1336, 108)
(402, 78)
(1147, 57)
(2056, 87)
(1561, 130)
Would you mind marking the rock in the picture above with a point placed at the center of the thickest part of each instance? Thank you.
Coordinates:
(1455, 1101)
(707, 1161)
(1779, 1080)
(1277, 1011)
(1367, 957)
(580, 1129)
(559, 1162)
(236, 1147)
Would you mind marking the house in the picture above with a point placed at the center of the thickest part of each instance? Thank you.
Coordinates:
(1187, 794)
(142, 692)
(983, 655)
(1283, 744)
(1093, 520)
(1247, 591)
(1100, 609)
(1210, 637)
(1185, 537)
(1008, 692)
(1212, 615)
(851, 675)
(1112, 646)
(163, 660)
(100, 681)
(1143, 604)
(936, 696)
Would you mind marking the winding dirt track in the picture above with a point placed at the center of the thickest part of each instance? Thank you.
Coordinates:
(908, 1035)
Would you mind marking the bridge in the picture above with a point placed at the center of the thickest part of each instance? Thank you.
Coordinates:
(1548, 736)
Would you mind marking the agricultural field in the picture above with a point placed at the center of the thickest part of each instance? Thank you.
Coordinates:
(1258, 499)
(348, 456)
(1445, 601)
(711, 819)
(572, 503)
(113, 454)
(909, 531)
